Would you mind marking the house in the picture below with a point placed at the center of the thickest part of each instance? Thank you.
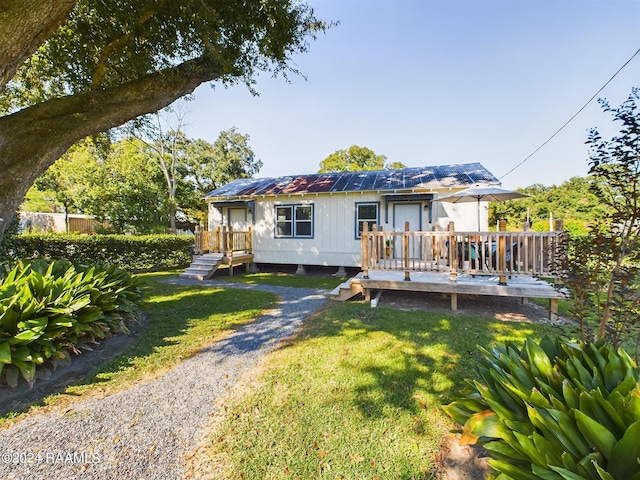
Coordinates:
(316, 219)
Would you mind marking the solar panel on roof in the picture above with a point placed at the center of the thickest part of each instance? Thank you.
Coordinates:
(442, 176)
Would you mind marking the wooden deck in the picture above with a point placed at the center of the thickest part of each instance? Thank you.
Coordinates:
(522, 286)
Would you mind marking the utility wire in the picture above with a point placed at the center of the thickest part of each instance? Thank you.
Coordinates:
(574, 116)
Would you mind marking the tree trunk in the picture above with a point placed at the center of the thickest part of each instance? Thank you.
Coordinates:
(33, 138)
(26, 24)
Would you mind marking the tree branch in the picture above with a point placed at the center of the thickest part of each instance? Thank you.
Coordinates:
(33, 138)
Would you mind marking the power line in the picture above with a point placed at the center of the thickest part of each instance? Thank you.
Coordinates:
(574, 116)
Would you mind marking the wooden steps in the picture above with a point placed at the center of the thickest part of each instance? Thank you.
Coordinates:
(347, 290)
(203, 266)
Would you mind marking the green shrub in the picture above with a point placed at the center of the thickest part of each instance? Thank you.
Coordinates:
(49, 310)
(145, 252)
(554, 410)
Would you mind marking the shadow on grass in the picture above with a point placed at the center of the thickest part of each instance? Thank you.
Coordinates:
(411, 360)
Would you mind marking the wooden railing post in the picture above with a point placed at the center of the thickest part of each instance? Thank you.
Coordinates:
(453, 252)
(375, 240)
(559, 251)
(364, 250)
(250, 241)
(502, 254)
(197, 241)
(405, 242)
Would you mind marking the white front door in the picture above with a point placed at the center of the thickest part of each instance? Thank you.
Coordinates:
(237, 219)
(406, 212)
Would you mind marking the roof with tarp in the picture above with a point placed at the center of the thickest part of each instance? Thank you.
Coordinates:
(390, 180)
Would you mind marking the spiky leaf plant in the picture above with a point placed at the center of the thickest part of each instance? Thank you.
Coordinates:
(49, 310)
(554, 410)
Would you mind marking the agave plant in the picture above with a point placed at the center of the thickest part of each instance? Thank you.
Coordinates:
(554, 410)
(48, 310)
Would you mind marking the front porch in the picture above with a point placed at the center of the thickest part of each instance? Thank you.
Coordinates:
(222, 246)
(524, 287)
(516, 264)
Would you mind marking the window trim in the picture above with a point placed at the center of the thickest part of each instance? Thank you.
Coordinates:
(357, 218)
(293, 207)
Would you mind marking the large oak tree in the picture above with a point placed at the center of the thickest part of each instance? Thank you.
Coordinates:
(71, 69)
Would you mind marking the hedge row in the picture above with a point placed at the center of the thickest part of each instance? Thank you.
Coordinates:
(132, 253)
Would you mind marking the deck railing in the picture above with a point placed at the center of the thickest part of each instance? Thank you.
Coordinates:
(223, 240)
(537, 254)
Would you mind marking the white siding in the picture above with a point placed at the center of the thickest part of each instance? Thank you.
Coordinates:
(334, 241)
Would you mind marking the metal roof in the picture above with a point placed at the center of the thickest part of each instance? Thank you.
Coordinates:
(405, 179)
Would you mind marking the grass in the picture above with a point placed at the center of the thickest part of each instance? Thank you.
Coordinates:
(181, 320)
(357, 395)
(283, 279)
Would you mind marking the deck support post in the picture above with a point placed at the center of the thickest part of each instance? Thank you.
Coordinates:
(454, 302)
(553, 309)
(405, 240)
(502, 255)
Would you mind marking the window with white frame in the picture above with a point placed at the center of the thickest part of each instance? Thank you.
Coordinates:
(366, 212)
(294, 221)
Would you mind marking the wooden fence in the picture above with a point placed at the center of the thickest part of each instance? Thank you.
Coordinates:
(537, 254)
(224, 240)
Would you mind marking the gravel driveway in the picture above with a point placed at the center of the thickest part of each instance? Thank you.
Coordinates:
(147, 431)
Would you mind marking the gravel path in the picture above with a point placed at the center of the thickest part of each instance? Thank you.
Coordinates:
(147, 431)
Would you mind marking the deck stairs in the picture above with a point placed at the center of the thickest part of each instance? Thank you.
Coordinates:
(203, 266)
(347, 290)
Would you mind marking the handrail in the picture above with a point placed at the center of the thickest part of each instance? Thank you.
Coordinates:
(529, 253)
(223, 240)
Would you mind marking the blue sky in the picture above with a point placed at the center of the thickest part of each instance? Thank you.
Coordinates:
(436, 82)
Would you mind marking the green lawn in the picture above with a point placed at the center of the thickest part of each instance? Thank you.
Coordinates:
(183, 319)
(357, 395)
(282, 279)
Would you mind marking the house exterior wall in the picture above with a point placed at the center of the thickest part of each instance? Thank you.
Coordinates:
(334, 240)
(36, 222)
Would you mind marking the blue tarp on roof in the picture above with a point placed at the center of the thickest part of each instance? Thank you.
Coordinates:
(422, 178)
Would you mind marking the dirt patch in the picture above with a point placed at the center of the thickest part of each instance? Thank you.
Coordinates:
(510, 309)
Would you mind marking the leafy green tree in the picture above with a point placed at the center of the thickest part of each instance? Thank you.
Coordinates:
(355, 159)
(574, 201)
(165, 144)
(208, 166)
(232, 158)
(122, 187)
(603, 271)
(127, 191)
(74, 68)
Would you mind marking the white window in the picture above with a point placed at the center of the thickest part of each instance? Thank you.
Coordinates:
(294, 221)
(366, 212)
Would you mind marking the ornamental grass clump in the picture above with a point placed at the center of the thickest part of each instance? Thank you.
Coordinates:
(51, 309)
(554, 410)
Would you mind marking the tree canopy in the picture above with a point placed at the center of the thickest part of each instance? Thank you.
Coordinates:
(573, 201)
(355, 159)
(127, 184)
(70, 69)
